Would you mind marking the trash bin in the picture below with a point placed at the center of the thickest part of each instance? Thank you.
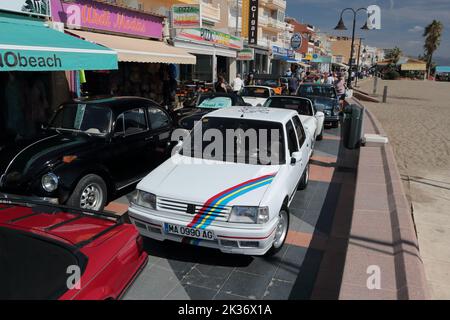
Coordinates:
(352, 126)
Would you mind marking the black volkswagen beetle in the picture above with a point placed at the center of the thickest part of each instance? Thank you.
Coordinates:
(89, 152)
(325, 99)
(207, 102)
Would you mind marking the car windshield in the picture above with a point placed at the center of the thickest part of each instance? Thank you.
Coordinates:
(32, 267)
(81, 117)
(320, 91)
(237, 141)
(271, 83)
(215, 102)
(302, 106)
(256, 92)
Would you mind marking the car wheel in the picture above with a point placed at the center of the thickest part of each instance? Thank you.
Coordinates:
(90, 193)
(281, 232)
(304, 179)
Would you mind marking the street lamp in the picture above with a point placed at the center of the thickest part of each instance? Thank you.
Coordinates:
(341, 26)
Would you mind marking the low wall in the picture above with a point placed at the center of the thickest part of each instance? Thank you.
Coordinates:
(383, 259)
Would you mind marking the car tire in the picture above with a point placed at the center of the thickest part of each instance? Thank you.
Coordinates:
(90, 193)
(304, 180)
(281, 232)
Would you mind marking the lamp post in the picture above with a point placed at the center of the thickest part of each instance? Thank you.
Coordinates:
(341, 26)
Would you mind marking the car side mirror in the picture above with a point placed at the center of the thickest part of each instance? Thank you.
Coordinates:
(320, 114)
(296, 157)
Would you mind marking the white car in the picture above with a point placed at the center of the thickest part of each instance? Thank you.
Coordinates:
(235, 204)
(256, 95)
(312, 120)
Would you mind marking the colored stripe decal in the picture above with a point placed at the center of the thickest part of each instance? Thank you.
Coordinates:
(207, 213)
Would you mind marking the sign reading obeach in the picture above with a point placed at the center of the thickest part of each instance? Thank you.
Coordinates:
(92, 15)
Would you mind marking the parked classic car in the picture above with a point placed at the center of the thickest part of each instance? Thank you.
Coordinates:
(90, 152)
(55, 252)
(237, 204)
(312, 120)
(256, 95)
(325, 99)
(206, 103)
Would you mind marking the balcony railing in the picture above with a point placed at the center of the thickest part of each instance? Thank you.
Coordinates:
(276, 4)
(263, 20)
(274, 23)
(210, 12)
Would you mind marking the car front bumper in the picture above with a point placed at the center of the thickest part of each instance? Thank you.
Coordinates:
(230, 239)
(12, 197)
(331, 119)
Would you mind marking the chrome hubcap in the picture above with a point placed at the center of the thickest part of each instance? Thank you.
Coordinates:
(281, 231)
(91, 197)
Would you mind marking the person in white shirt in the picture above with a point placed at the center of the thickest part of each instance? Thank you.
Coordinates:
(330, 79)
(238, 84)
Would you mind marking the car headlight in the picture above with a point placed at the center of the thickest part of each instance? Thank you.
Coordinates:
(143, 199)
(257, 215)
(49, 182)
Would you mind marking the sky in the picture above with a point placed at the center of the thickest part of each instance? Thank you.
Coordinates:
(402, 21)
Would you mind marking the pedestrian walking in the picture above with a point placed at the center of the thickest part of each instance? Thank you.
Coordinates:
(330, 79)
(238, 84)
(220, 85)
(293, 85)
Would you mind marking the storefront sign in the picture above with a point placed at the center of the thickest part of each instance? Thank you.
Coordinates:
(246, 54)
(186, 16)
(94, 15)
(279, 52)
(37, 7)
(208, 36)
(308, 56)
(296, 41)
(253, 23)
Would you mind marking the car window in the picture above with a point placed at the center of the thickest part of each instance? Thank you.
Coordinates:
(300, 130)
(292, 137)
(158, 119)
(134, 121)
(119, 125)
(302, 106)
(216, 103)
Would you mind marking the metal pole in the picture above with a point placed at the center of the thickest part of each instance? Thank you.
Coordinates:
(385, 93)
(357, 64)
(350, 63)
(375, 85)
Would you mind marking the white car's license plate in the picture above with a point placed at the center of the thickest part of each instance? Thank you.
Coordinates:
(189, 232)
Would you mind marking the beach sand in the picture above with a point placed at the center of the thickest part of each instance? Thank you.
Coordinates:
(416, 119)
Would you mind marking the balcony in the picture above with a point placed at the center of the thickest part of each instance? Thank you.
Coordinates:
(275, 24)
(263, 20)
(210, 12)
(276, 4)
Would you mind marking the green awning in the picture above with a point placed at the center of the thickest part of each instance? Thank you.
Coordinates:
(29, 45)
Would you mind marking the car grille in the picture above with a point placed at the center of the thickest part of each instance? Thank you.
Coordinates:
(221, 213)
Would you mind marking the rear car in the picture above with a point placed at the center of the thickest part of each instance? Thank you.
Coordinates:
(256, 95)
(324, 98)
(54, 252)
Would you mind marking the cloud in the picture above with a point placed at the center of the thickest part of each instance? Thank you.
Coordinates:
(416, 29)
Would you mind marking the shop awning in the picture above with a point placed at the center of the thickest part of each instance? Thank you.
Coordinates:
(30, 45)
(139, 50)
(341, 65)
(414, 67)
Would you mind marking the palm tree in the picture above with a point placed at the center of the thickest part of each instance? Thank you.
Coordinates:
(394, 55)
(432, 34)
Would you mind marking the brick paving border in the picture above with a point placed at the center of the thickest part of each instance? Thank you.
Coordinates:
(382, 233)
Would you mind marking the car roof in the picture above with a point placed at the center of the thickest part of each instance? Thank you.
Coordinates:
(317, 85)
(254, 113)
(264, 87)
(118, 104)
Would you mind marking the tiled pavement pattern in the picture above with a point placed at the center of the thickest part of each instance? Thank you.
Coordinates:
(309, 267)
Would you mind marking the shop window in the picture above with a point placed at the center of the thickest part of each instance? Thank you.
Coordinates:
(158, 119)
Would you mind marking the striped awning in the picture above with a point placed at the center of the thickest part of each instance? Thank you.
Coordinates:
(138, 50)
